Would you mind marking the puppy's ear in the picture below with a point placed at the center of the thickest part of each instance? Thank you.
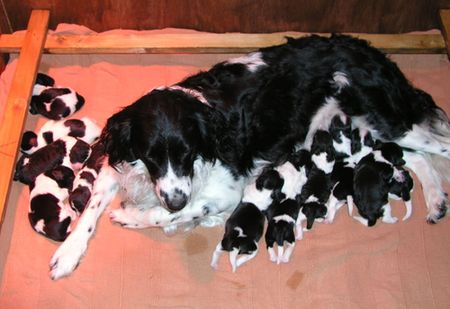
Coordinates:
(386, 172)
(356, 141)
(277, 195)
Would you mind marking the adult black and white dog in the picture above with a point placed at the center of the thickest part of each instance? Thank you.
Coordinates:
(255, 108)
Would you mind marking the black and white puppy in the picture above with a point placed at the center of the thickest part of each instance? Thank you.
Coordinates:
(243, 230)
(281, 228)
(84, 129)
(317, 189)
(282, 214)
(49, 212)
(54, 102)
(84, 180)
(67, 150)
(371, 183)
(400, 188)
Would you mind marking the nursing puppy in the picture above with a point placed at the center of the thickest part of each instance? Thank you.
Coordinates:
(49, 213)
(400, 188)
(316, 191)
(371, 183)
(282, 224)
(54, 102)
(282, 215)
(342, 174)
(84, 129)
(243, 230)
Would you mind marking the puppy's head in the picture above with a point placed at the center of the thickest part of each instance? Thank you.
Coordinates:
(29, 142)
(168, 131)
(270, 179)
(362, 141)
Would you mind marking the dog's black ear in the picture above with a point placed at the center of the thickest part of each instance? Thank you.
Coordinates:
(116, 137)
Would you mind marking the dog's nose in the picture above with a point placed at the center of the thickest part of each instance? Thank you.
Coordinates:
(175, 201)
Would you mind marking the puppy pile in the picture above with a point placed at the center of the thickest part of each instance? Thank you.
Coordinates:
(344, 165)
(52, 157)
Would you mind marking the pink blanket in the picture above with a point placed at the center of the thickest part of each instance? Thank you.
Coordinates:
(341, 265)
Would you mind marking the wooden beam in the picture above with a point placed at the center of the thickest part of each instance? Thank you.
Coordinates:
(18, 100)
(209, 43)
(445, 25)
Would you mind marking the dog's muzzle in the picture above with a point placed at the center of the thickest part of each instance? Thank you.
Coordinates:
(174, 201)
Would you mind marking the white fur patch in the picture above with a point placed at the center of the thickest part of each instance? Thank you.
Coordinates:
(170, 183)
(191, 92)
(293, 179)
(240, 232)
(321, 162)
(322, 119)
(284, 217)
(253, 61)
(340, 80)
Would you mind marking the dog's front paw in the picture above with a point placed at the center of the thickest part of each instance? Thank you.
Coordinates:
(66, 258)
(126, 218)
(437, 208)
(438, 212)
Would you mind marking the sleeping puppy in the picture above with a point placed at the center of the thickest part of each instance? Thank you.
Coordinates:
(84, 129)
(282, 218)
(400, 188)
(316, 191)
(55, 103)
(68, 151)
(371, 183)
(84, 180)
(49, 212)
(243, 230)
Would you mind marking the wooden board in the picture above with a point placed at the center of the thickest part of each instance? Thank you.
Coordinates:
(209, 43)
(445, 22)
(18, 99)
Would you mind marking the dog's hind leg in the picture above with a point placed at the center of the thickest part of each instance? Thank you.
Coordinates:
(69, 254)
(435, 197)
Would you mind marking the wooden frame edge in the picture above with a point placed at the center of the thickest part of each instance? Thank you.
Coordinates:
(18, 100)
(445, 25)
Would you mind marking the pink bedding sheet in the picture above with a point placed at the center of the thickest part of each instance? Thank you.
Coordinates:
(341, 265)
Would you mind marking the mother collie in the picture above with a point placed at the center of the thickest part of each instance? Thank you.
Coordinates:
(184, 153)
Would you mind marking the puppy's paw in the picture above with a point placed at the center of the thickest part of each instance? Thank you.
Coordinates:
(390, 220)
(67, 258)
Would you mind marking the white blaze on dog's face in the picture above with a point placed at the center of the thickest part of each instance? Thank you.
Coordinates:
(173, 190)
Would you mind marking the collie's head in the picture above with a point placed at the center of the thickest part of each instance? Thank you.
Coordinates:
(167, 130)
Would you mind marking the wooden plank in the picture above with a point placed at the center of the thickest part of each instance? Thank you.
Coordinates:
(445, 25)
(18, 100)
(209, 43)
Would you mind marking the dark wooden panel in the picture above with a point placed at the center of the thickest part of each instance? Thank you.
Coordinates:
(371, 16)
